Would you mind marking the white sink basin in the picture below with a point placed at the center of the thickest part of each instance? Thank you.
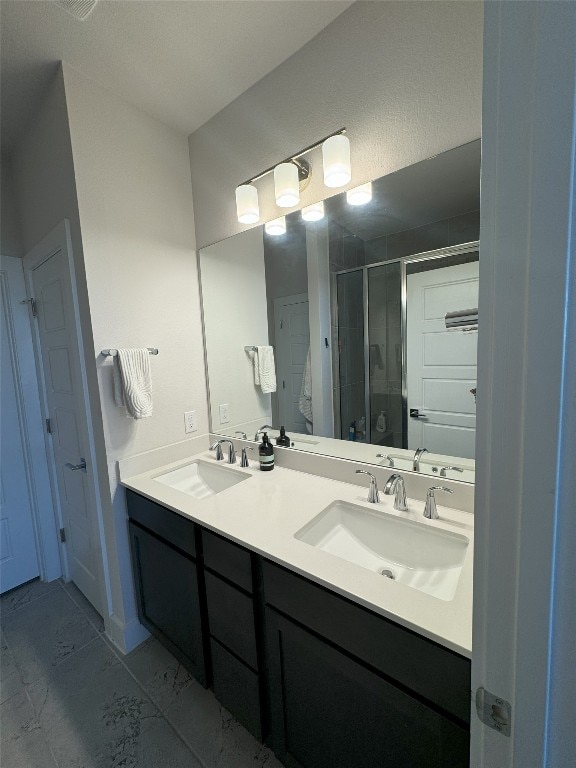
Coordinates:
(201, 479)
(422, 557)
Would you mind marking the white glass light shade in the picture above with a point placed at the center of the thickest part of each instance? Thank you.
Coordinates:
(286, 185)
(360, 195)
(276, 226)
(336, 161)
(313, 212)
(247, 204)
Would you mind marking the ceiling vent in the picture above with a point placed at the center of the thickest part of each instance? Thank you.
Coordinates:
(80, 9)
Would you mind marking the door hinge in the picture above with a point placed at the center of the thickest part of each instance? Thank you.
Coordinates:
(33, 306)
(49, 426)
(494, 712)
(62, 534)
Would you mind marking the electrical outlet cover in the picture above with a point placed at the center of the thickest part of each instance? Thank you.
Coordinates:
(224, 413)
(190, 423)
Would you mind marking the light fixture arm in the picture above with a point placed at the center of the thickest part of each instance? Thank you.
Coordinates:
(302, 165)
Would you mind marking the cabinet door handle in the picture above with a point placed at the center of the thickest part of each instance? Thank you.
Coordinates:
(415, 414)
(81, 466)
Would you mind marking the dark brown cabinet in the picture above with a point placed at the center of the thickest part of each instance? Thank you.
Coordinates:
(169, 602)
(348, 688)
(329, 683)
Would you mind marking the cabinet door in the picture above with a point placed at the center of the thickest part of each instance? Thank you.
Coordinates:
(168, 602)
(330, 711)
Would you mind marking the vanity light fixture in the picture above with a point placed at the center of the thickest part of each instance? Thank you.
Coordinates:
(336, 161)
(359, 195)
(293, 174)
(313, 212)
(247, 204)
(286, 185)
(276, 226)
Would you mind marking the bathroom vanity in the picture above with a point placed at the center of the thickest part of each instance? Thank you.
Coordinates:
(325, 659)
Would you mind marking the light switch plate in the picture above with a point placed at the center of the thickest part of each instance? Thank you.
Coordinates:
(190, 423)
(224, 413)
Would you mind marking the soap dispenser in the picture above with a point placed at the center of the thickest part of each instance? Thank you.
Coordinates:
(266, 454)
(283, 438)
(381, 422)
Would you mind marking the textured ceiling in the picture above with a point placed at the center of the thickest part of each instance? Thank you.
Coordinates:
(180, 61)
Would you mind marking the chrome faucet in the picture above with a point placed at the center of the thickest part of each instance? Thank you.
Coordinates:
(454, 469)
(417, 457)
(243, 435)
(430, 510)
(395, 485)
(385, 456)
(218, 448)
(373, 495)
(262, 429)
(244, 460)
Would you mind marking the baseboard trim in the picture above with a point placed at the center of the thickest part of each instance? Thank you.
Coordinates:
(126, 637)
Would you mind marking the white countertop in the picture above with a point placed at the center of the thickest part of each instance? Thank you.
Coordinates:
(264, 512)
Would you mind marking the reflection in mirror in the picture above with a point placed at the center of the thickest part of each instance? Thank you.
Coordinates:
(336, 329)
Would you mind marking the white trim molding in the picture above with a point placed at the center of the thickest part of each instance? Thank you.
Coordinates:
(525, 571)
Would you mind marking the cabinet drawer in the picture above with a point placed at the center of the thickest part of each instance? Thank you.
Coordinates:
(163, 522)
(436, 673)
(231, 618)
(228, 559)
(237, 688)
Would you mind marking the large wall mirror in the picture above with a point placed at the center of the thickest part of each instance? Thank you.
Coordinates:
(354, 307)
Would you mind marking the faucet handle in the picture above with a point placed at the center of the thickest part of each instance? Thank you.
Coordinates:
(218, 448)
(244, 459)
(386, 456)
(243, 435)
(430, 510)
(454, 469)
(373, 494)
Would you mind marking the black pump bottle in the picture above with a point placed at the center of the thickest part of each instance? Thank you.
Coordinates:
(283, 438)
(266, 454)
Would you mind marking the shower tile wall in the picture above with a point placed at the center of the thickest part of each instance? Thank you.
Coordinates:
(464, 228)
(351, 353)
(346, 251)
(385, 328)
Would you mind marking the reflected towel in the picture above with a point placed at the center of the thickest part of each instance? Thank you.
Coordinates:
(305, 401)
(264, 369)
(133, 382)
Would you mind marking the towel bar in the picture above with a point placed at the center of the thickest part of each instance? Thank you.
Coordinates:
(114, 352)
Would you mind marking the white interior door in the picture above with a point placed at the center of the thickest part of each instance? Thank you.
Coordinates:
(441, 364)
(18, 549)
(292, 328)
(49, 280)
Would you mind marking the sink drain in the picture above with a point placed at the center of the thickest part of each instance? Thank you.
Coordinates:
(387, 572)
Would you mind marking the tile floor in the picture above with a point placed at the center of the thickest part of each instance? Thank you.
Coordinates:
(68, 699)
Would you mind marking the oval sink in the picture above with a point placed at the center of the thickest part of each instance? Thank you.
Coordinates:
(201, 479)
(422, 557)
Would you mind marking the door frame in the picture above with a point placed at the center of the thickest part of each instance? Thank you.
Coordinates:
(30, 415)
(56, 240)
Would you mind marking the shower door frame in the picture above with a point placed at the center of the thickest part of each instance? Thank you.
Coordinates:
(404, 261)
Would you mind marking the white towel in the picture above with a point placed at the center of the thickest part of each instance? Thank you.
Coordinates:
(305, 401)
(264, 369)
(133, 382)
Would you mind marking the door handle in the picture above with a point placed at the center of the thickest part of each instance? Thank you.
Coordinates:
(415, 414)
(81, 466)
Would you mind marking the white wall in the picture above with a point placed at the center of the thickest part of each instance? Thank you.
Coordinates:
(135, 203)
(235, 316)
(10, 238)
(404, 78)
